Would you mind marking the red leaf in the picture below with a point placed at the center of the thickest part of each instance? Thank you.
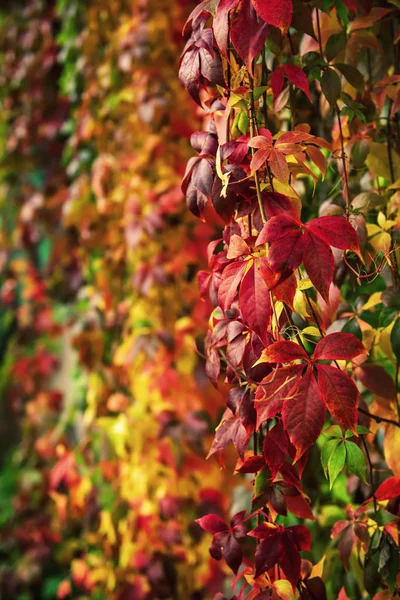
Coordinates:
(286, 255)
(268, 553)
(319, 264)
(276, 81)
(254, 302)
(283, 352)
(248, 33)
(304, 415)
(340, 395)
(277, 227)
(212, 523)
(336, 232)
(298, 78)
(274, 389)
(342, 593)
(277, 13)
(338, 346)
(260, 157)
(231, 278)
(389, 489)
(279, 166)
(290, 560)
(230, 430)
(301, 536)
(252, 464)
(221, 23)
(278, 204)
(275, 448)
(299, 506)
(376, 379)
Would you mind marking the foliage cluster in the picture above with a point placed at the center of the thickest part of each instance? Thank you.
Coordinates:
(298, 161)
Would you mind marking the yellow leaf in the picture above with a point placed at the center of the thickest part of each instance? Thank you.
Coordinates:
(304, 284)
(378, 161)
(391, 448)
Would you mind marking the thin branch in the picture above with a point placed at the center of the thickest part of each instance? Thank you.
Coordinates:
(377, 418)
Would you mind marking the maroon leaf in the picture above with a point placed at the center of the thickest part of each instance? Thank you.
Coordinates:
(298, 78)
(340, 395)
(284, 352)
(248, 33)
(275, 448)
(304, 415)
(212, 523)
(278, 386)
(254, 302)
(231, 278)
(335, 231)
(319, 264)
(338, 346)
(230, 431)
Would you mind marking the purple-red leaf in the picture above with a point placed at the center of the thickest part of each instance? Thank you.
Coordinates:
(335, 231)
(277, 13)
(304, 414)
(338, 346)
(254, 302)
(340, 395)
(248, 33)
(212, 523)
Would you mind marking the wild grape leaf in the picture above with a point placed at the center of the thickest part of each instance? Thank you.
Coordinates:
(199, 63)
(221, 24)
(197, 184)
(275, 448)
(304, 414)
(283, 351)
(376, 379)
(274, 389)
(224, 543)
(340, 395)
(292, 242)
(277, 81)
(338, 346)
(335, 231)
(277, 13)
(248, 33)
(231, 277)
(298, 78)
(319, 264)
(389, 489)
(281, 545)
(254, 301)
(230, 431)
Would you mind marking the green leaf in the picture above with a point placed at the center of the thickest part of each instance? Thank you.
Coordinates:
(335, 45)
(356, 461)
(331, 86)
(334, 431)
(336, 462)
(361, 430)
(352, 75)
(327, 450)
(353, 327)
(342, 12)
(395, 339)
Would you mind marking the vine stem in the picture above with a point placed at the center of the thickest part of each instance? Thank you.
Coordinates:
(393, 267)
(343, 157)
(319, 35)
(371, 471)
(253, 130)
(377, 418)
